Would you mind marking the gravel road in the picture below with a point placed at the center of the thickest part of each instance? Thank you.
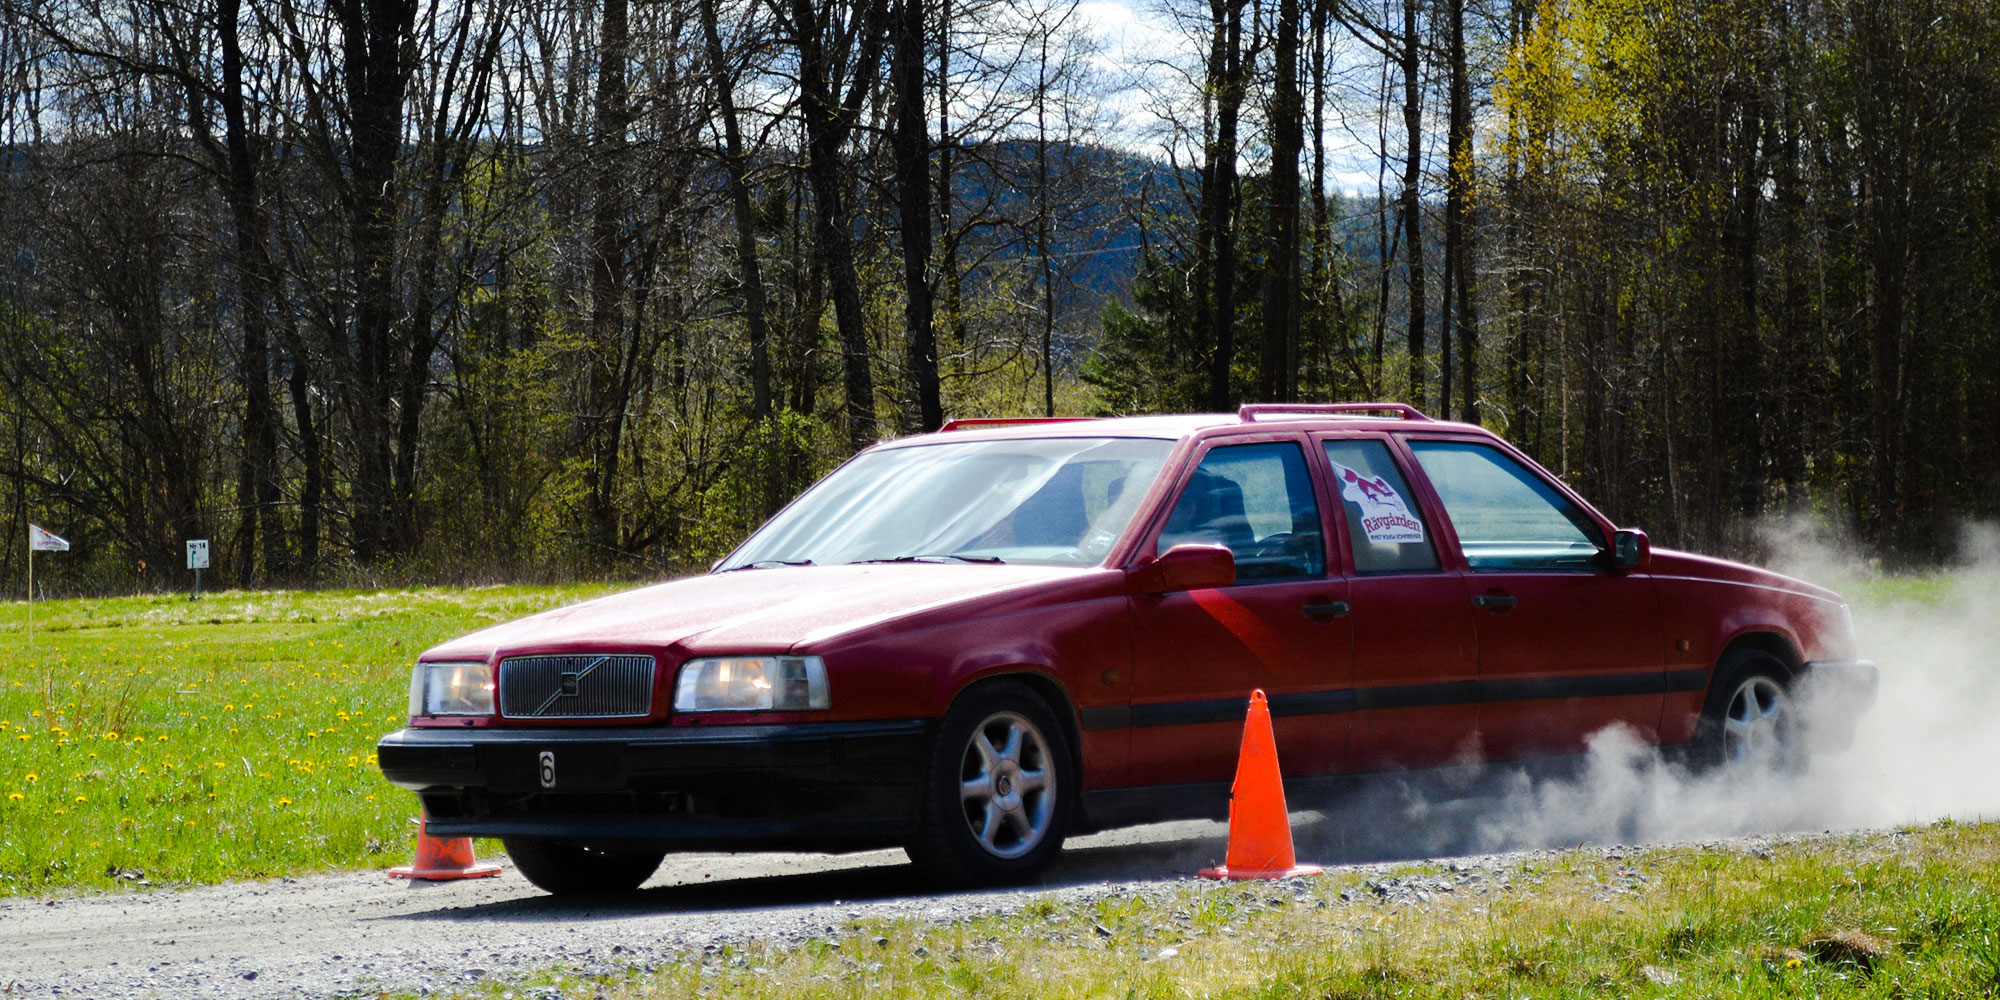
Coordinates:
(332, 935)
(362, 933)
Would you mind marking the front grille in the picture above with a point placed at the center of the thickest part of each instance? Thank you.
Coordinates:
(589, 686)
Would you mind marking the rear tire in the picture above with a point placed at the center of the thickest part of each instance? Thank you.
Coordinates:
(1750, 718)
(996, 802)
(572, 869)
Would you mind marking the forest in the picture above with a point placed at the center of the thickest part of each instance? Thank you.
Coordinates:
(460, 290)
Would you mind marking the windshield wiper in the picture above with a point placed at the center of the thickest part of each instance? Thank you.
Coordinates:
(936, 557)
(769, 563)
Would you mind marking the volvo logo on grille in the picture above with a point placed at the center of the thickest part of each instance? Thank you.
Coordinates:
(568, 684)
(548, 769)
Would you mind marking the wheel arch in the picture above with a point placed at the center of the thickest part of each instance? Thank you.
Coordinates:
(1774, 643)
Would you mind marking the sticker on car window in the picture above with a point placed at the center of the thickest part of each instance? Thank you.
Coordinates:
(1384, 515)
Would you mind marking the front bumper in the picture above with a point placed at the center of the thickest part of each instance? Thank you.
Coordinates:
(1834, 694)
(819, 786)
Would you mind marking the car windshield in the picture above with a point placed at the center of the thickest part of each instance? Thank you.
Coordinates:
(1049, 500)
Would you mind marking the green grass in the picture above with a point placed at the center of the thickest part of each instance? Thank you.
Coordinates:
(1924, 588)
(178, 742)
(1898, 915)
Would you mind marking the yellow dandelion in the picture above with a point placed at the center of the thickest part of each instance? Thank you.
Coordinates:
(81, 799)
(15, 796)
(1793, 963)
(284, 802)
(110, 736)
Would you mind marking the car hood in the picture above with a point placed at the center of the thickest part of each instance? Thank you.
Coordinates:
(764, 610)
(1668, 563)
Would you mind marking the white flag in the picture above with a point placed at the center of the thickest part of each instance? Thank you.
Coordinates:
(41, 540)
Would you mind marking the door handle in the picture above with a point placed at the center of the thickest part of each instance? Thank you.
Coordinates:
(1325, 609)
(1495, 602)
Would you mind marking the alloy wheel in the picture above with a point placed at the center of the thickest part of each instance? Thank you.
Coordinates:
(1754, 724)
(1006, 786)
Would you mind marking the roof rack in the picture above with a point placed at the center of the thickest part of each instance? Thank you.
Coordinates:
(975, 423)
(1249, 412)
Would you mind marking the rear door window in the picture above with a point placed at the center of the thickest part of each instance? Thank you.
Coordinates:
(1506, 517)
(1386, 532)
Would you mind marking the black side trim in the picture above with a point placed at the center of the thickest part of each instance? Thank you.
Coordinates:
(1419, 695)
(1105, 717)
(1687, 680)
(1312, 703)
(1335, 702)
(1188, 713)
(1601, 686)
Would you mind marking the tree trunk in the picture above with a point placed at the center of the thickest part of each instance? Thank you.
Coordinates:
(1459, 265)
(913, 191)
(604, 402)
(1226, 81)
(1409, 57)
(954, 308)
(751, 276)
(373, 37)
(829, 119)
(257, 490)
(1276, 378)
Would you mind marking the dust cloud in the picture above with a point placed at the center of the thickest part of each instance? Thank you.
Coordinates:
(1929, 747)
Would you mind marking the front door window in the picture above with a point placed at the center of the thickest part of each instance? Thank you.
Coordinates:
(1257, 501)
(1506, 517)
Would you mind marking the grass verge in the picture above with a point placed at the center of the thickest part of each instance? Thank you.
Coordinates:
(1904, 914)
(155, 740)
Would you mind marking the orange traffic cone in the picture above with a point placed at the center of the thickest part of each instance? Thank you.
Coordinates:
(1260, 832)
(441, 859)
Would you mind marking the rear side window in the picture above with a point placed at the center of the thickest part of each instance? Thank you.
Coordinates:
(1506, 516)
(1256, 500)
(1385, 527)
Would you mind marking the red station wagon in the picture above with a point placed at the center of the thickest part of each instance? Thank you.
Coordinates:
(974, 643)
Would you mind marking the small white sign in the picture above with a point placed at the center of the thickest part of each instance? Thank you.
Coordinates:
(1384, 515)
(198, 553)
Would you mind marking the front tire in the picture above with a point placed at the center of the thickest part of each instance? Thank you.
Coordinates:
(1750, 718)
(996, 802)
(574, 869)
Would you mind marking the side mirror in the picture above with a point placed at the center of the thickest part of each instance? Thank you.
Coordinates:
(1186, 567)
(1630, 549)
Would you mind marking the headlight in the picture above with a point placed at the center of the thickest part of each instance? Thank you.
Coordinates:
(752, 684)
(451, 689)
